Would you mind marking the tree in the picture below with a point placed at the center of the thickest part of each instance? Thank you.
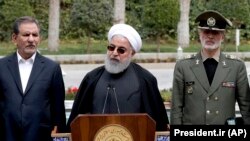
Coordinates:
(236, 11)
(54, 18)
(134, 14)
(119, 11)
(183, 25)
(93, 17)
(10, 10)
(160, 19)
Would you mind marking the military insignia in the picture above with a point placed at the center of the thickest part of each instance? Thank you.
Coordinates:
(233, 57)
(189, 56)
(228, 84)
(224, 63)
(189, 87)
(197, 62)
(211, 21)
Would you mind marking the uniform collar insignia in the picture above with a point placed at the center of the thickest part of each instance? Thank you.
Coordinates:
(197, 62)
(224, 63)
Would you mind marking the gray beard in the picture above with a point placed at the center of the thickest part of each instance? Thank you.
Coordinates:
(114, 66)
(210, 47)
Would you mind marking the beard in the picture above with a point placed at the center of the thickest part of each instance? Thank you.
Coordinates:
(210, 47)
(115, 66)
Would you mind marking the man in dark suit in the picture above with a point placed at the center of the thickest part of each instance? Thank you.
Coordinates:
(207, 85)
(31, 89)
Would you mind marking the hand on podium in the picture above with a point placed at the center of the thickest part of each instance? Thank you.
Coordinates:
(54, 131)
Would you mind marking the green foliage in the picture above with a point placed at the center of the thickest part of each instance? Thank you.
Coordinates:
(153, 18)
(41, 12)
(99, 47)
(134, 14)
(166, 95)
(82, 18)
(10, 10)
(237, 11)
(66, 31)
(71, 93)
(94, 17)
(161, 17)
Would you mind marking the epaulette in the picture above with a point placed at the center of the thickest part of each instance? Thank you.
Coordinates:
(232, 57)
(190, 56)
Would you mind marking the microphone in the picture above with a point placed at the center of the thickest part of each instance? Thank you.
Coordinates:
(114, 97)
(105, 102)
(118, 109)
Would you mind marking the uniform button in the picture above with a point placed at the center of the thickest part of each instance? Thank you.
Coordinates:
(216, 98)
(208, 111)
(208, 98)
(217, 112)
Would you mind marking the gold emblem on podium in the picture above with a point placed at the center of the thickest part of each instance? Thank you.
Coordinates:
(113, 132)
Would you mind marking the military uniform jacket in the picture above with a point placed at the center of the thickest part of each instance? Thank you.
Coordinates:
(194, 101)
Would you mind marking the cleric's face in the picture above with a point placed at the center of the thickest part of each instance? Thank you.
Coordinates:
(119, 54)
(121, 49)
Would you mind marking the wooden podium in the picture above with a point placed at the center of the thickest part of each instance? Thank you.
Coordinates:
(113, 127)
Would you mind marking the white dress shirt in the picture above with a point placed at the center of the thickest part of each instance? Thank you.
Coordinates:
(25, 67)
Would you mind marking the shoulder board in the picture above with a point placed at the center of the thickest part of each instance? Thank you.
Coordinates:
(190, 56)
(232, 57)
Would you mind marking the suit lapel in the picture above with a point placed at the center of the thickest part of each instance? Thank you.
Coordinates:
(13, 67)
(36, 71)
(221, 72)
(199, 72)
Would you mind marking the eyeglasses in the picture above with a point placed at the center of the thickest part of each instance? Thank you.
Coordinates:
(120, 50)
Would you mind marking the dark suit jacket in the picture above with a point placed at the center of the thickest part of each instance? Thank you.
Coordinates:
(30, 116)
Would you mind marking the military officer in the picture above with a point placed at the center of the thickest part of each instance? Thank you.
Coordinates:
(207, 85)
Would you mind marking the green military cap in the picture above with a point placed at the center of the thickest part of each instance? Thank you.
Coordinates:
(212, 20)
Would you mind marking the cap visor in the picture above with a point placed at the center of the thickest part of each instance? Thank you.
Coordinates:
(217, 29)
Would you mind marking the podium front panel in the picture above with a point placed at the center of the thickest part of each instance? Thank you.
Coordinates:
(104, 127)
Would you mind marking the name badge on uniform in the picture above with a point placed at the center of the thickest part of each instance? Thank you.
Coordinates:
(189, 87)
(228, 84)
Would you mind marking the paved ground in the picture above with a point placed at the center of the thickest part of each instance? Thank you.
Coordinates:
(162, 71)
(75, 73)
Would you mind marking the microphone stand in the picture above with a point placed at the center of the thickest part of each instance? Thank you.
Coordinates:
(105, 102)
(116, 101)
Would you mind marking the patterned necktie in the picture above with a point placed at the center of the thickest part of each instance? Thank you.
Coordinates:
(210, 65)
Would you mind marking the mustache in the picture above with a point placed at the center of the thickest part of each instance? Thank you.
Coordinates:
(113, 59)
(31, 46)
